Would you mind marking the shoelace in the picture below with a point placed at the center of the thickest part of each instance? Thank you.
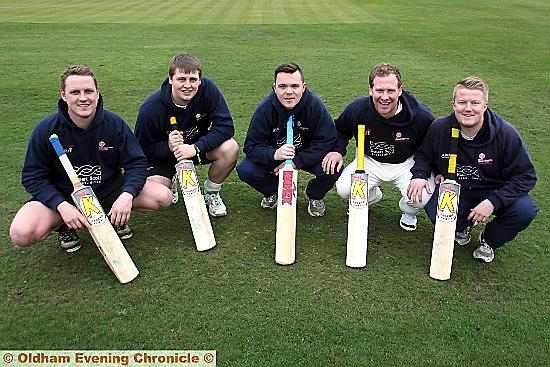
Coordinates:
(215, 200)
(67, 236)
(317, 204)
(486, 249)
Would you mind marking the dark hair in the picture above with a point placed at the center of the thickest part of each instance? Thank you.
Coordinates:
(384, 70)
(186, 62)
(79, 69)
(288, 68)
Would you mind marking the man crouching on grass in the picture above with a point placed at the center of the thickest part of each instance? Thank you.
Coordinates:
(493, 167)
(203, 131)
(100, 145)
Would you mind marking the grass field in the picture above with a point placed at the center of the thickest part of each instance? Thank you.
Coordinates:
(235, 299)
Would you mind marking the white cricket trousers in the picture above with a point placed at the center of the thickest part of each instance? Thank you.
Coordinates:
(379, 174)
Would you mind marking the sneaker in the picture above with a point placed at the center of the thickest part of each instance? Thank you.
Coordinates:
(408, 222)
(68, 239)
(316, 208)
(484, 252)
(175, 196)
(124, 232)
(378, 195)
(269, 202)
(215, 204)
(463, 238)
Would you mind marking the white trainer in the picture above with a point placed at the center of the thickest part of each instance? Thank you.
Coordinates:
(269, 202)
(215, 204)
(175, 196)
(484, 252)
(408, 222)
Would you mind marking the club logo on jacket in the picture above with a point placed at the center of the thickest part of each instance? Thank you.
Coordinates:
(89, 175)
(297, 141)
(467, 173)
(299, 127)
(191, 134)
(400, 138)
(381, 149)
(482, 159)
(102, 147)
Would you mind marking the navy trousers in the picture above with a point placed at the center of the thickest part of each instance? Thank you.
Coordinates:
(507, 222)
(262, 178)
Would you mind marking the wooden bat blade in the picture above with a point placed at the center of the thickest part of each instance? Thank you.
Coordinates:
(195, 206)
(444, 232)
(358, 222)
(285, 238)
(104, 235)
(114, 252)
(102, 232)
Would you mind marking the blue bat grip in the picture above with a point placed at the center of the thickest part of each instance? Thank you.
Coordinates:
(289, 136)
(54, 139)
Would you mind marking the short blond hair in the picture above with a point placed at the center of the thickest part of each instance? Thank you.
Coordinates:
(472, 83)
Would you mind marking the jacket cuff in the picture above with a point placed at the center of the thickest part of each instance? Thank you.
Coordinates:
(419, 175)
(54, 203)
(497, 203)
(298, 162)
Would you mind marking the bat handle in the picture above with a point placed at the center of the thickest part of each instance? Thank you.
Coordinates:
(56, 144)
(289, 135)
(173, 123)
(289, 131)
(54, 140)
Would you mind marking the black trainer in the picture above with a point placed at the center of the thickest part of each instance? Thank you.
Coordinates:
(124, 232)
(68, 239)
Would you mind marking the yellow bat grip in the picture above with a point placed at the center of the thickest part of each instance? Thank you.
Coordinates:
(360, 147)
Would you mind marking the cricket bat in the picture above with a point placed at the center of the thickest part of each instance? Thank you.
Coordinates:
(445, 222)
(194, 203)
(101, 230)
(358, 219)
(285, 238)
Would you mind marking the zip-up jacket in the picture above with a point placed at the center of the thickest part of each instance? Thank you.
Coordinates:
(496, 159)
(98, 154)
(391, 140)
(205, 121)
(314, 131)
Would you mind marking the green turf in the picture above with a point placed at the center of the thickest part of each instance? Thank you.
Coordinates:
(235, 299)
(189, 12)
